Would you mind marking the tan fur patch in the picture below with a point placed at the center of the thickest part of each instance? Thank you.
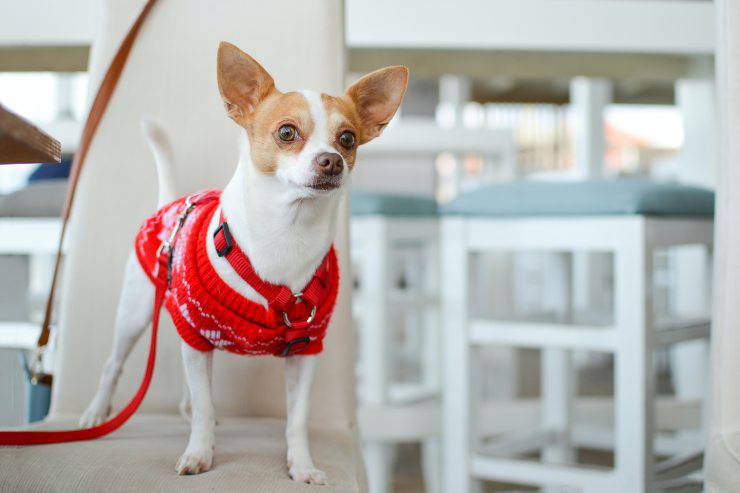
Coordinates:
(376, 97)
(341, 116)
(242, 82)
(278, 109)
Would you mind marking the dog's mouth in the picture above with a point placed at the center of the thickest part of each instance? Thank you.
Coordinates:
(326, 184)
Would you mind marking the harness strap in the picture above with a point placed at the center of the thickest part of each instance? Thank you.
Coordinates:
(279, 297)
(315, 289)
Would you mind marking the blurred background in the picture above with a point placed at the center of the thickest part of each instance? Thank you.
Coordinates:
(501, 92)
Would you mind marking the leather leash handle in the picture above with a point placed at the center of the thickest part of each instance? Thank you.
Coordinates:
(97, 111)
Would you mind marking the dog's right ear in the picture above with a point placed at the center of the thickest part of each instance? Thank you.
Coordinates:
(242, 82)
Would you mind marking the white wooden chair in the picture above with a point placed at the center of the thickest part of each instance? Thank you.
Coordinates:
(29, 230)
(395, 256)
(631, 219)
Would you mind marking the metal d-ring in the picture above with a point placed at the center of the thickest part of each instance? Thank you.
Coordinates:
(308, 320)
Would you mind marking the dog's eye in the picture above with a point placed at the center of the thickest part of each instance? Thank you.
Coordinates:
(347, 139)
(288, 133)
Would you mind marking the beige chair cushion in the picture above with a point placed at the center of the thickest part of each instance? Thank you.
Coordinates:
(141, 456)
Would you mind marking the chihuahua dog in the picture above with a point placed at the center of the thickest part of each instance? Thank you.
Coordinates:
(298, 149)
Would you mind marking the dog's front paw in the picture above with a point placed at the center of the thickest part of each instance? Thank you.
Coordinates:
(194, 463)
(94, 415)
(307, 474)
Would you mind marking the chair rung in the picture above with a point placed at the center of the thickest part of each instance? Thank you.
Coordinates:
(500, 417)
(667, 333)
(407, 393)
(529, 472)
(399, 423)
(678, 467)
(537, 335)
(18, 335)
(518, 443)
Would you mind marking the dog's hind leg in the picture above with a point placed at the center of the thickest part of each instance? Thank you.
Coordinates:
(134, 314)
(198, 456)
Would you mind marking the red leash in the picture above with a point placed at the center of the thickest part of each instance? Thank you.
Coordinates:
(44, 437)
(97, 111)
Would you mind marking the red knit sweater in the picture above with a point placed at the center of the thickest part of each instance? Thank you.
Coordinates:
(206, 311)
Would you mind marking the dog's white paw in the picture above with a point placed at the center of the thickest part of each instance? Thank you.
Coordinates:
(307, 474)
(194, 463)
(94, 415)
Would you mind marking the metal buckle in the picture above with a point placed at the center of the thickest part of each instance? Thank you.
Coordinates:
(165, 245)
(227, 236)
(169, 242)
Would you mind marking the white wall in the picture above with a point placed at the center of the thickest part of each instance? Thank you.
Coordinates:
(627, 26)
(667, 26)
(47, 22)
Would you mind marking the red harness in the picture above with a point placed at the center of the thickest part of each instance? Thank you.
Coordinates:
(206, 311)
(165, 246)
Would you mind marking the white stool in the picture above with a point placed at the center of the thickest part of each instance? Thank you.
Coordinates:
(631, 219)
(395, 253)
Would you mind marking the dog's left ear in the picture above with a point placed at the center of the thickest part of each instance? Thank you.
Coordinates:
(376, 97)
(242, 82)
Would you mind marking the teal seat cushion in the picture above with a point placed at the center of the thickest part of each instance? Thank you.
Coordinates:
(383, 204)
(602, 197)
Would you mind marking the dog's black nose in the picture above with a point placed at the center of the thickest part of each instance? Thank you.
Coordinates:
(329, 163)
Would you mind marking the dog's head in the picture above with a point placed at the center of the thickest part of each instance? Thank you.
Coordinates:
(305, 139)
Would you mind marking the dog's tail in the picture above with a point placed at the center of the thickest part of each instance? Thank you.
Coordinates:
(160, 145)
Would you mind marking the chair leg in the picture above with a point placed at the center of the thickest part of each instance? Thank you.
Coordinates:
(456, 353)
(707, 370)
(430, 319)
(374, 346)
(690, 360)
(690, 371)
(557, 376)
(430, 465)
(634, 389)
(378, 466)
(557, 401)
(430, 363)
